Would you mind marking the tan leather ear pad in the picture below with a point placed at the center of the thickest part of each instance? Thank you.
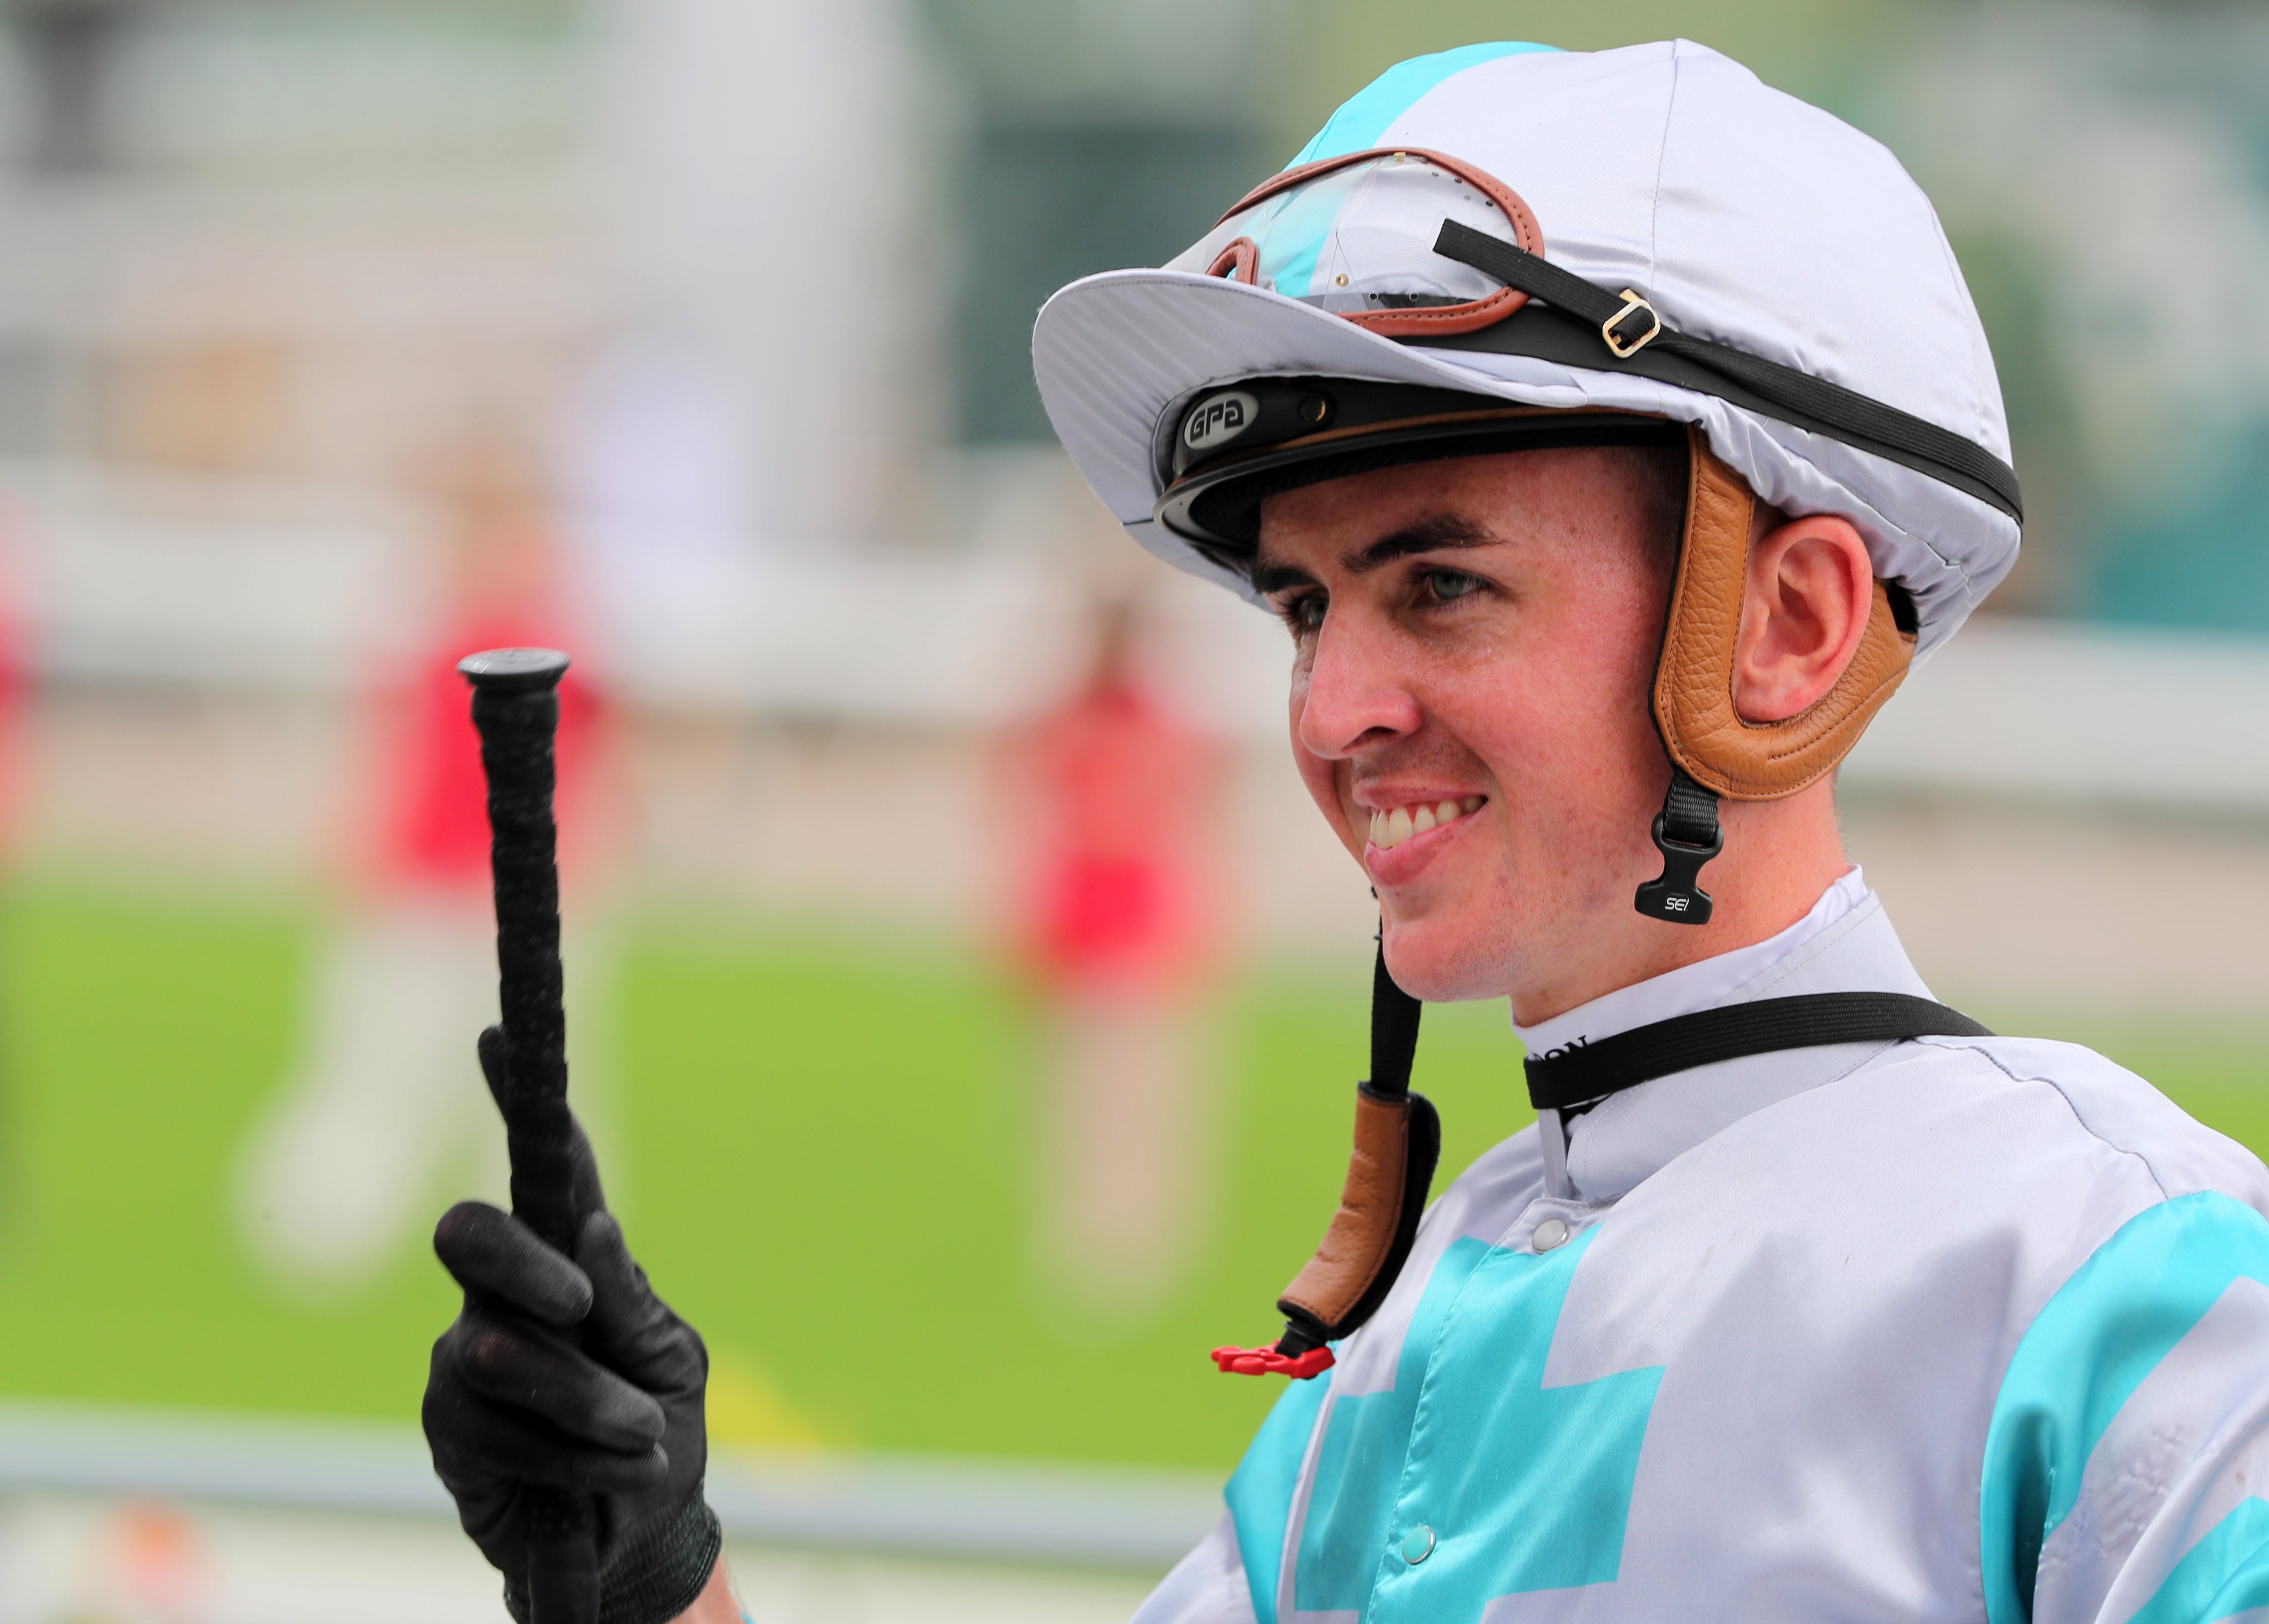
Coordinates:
(1694, 683)
(1362, 1231)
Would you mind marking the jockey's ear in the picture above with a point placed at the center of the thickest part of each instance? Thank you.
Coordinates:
(1809, 590)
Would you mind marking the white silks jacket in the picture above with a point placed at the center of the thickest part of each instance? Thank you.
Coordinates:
(1970, 1329)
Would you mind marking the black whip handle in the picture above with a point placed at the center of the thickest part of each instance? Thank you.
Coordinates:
(516, 710)
(516, 750)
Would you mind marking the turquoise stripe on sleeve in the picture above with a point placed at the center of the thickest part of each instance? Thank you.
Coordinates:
(1260, 1491)
(1293, 238)
(2225, 1573)
(2106, 1328)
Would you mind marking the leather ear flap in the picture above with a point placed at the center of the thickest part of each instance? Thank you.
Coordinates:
(1694, 683)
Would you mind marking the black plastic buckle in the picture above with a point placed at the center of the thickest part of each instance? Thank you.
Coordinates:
(1678, 897)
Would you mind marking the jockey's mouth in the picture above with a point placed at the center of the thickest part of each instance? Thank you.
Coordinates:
(1391, 826)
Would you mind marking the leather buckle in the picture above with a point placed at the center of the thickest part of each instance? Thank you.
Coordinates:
(1632, 302)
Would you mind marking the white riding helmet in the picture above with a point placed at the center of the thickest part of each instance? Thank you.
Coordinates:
(1741, 215)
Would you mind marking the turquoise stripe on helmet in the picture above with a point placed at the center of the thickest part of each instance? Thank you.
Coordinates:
(2082, 1358)
(1363, 118)
(1294, 239)
(1260, 1492)
(2223, 1574)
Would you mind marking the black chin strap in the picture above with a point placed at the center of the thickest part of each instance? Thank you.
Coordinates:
(1584, 1073)
(1686, 833)
(1394, 1017)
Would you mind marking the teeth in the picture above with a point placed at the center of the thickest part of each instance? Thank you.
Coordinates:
(1391, 828)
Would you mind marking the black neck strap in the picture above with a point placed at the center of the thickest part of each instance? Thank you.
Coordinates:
(1582, 1074)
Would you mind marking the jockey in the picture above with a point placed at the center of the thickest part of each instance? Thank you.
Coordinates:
(1611, 433)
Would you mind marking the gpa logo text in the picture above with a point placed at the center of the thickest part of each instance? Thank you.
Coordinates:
(1221, 417)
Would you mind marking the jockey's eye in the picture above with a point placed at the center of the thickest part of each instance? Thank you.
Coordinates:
(1304, 613)
(1446, 586)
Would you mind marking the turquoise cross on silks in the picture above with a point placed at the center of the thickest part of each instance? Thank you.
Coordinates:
(1524, 1487)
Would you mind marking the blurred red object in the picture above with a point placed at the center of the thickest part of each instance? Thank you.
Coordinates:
(1117, 794)
(15, 681)
(436, 834)
(155, 1555)
(503, 591)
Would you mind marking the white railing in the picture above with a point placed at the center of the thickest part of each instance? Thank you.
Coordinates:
(994, 1510)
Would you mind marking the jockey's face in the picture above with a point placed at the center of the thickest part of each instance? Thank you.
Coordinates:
(1475, 641)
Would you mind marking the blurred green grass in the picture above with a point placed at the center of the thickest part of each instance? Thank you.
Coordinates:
(822, 1146)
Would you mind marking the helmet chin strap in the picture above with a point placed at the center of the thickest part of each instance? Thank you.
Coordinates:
(1686, 834)
(1714, 752)
(1398, 1141)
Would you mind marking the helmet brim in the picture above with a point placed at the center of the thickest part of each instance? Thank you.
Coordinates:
(1119, 355)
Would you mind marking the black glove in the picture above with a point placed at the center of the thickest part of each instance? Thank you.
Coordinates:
(512, 1402)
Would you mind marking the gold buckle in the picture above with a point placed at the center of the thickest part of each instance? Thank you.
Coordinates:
(1625, 351)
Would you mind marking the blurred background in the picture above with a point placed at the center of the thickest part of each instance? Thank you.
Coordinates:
(964, 995)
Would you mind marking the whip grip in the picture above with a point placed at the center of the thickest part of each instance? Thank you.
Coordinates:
(516, 712)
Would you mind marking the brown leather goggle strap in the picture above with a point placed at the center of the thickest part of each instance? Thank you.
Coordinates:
(1471, 316)
(1398, 1141)
(1239, 259)
(1694, 683)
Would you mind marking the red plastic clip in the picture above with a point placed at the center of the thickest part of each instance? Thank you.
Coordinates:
(1269, 1361)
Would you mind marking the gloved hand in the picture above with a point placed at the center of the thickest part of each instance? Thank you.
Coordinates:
(511, 1402)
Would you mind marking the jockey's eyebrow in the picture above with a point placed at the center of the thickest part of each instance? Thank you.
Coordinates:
(1436, 533)
(1274, 578)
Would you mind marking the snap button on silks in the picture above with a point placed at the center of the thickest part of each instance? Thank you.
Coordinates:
(1417, 1545)
(1551, 1233)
